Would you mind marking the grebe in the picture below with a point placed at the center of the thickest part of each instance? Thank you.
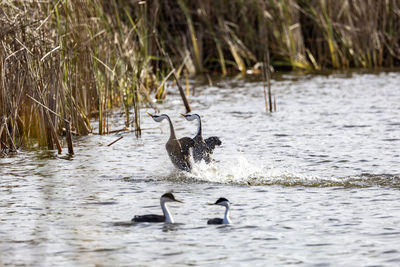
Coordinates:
(154, 218)
(178, 149)
(226, 220)
(202, 148)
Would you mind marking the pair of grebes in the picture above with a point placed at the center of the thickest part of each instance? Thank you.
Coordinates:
(179, 149)
(167, 216)
(179, 153)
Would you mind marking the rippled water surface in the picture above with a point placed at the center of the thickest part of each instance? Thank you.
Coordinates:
(316, 183)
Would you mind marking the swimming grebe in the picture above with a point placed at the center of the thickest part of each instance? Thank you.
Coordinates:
(154, 218)
(177, 149)
(226, 220)
(202, 148)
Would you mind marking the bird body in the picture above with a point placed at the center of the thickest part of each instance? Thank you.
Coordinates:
(202, 148)
(149, 218)
(154, 218)
(215, 221)
(178, 152)
(177, 149)
(226, 220)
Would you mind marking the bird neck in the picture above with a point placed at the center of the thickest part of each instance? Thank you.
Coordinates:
(227, 220)
(171, 128)
(167, 213)
(198, 126)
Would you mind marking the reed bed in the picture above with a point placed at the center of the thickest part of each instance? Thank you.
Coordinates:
(220, 35)
(63, 62)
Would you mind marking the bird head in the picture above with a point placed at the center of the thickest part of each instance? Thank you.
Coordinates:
(169, 197)
(158, 118)
(221, 202)
(190, 117)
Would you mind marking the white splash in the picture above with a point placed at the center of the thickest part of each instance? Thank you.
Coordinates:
(237, 171)
(240, 170)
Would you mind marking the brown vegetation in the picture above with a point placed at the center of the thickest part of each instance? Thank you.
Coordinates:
(80, 58)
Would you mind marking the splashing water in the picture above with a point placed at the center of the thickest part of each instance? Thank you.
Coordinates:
(241, 171)
(237, 171)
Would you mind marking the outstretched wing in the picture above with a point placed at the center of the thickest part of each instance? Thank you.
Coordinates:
(186, 143)
(212, 142)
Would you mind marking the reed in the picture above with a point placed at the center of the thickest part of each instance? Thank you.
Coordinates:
(81, 59)
(354, 33)
(302, 34)
(69, 57)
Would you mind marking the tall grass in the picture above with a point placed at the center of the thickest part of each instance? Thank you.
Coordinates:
(73, 58)
(302, 34)
(356, 33)
(80, 59)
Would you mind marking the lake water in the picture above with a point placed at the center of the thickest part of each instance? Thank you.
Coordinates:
(315, 184)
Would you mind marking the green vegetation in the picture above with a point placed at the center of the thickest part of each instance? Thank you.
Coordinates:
(82, 58)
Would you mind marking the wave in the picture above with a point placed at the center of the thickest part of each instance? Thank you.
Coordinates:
(240, 171)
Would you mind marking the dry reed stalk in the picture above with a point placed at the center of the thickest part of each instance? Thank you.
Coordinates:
(113, 142)
(193, 36)
(69, 138)
(187, 83)
(67, 123)
(181, 91)
(264, 90)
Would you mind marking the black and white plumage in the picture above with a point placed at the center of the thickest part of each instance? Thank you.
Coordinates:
(154, 218)
(226, 220)
(203, 148)
(177, 149)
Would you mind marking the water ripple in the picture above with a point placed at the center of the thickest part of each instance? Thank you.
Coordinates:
(315, 183)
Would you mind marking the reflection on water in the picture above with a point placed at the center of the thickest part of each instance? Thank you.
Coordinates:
(315, 183)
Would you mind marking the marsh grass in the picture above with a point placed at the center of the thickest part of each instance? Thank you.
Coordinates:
(80, 59)
(72, 58)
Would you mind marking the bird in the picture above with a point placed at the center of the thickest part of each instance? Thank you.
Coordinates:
(226, 220)
(202, 149)
(154, 218)
(177, 149)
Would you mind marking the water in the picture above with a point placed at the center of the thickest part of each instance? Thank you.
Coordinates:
(316, 183)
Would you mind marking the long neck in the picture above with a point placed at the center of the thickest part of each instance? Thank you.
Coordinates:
(198, 126)
(167, 213)
(227, 220)
(171, 127)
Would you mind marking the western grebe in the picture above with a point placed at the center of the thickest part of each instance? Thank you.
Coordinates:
(226, 220)
(178, 149)
(154, 218)
(202, 148)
